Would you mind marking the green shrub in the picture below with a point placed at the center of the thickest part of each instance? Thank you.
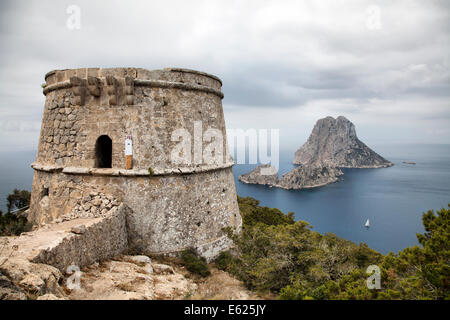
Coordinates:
(12, 225)
(252, 213)
(268, 216)
(223, 260)
(277, 254)
(194, 263)
(18, 199)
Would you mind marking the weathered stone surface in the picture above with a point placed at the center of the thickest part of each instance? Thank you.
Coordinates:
(333, 142)
(93, 205)
(162, 269)
(140, 259)
(78, 229)
(122, 280)
(32, 283)
(141, 110)
(102, 238)
(28, 278)
(194, 218)
(9, 291)
(49, 296)
(181, 204)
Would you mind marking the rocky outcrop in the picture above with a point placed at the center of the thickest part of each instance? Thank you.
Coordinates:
(9, 291)
(309, 176)
(333, 142)
(124, 277)
(21, 279)
(132, 278)
(303, 177)
(264, 174)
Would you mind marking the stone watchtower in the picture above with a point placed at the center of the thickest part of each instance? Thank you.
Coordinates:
(140, 138)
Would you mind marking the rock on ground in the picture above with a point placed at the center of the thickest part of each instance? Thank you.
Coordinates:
(129, 278)
(222, 286)
(9, 291)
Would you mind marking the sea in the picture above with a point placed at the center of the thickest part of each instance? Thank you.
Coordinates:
(393, 199)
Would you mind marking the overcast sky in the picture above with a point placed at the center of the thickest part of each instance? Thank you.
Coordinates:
(284, 64)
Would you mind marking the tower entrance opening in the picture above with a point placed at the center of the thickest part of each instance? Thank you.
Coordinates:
(103, 152)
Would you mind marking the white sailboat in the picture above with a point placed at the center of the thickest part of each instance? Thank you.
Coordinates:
(367, 224)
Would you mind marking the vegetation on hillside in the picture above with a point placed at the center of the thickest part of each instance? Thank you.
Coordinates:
(194, 263)
(12, 223)
(277, 254)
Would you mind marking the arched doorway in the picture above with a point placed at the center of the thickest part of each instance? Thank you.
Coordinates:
(103, 152)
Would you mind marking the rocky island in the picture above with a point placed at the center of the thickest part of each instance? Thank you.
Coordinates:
(333, 144)
(264, 174)
(309, 176)
(302, 177)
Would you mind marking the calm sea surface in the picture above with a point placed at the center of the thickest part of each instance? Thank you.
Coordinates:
(392, 198)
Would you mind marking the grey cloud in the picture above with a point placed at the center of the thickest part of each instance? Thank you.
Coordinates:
(269, 54)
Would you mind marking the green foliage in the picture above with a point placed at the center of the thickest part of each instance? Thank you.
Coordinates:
(18, 199)
(11, 223)
(224, 260)
(194, 263)
(419, 272)
(268, 216)
(151, 172)
(275, 253)
(435, 255)
(252, 213)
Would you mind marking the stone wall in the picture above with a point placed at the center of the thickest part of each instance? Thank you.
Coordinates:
(101, 239)
(93, 205)
(175, 212)
(167, 213)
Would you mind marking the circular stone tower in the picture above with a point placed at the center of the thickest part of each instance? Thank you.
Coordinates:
(152, 140)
